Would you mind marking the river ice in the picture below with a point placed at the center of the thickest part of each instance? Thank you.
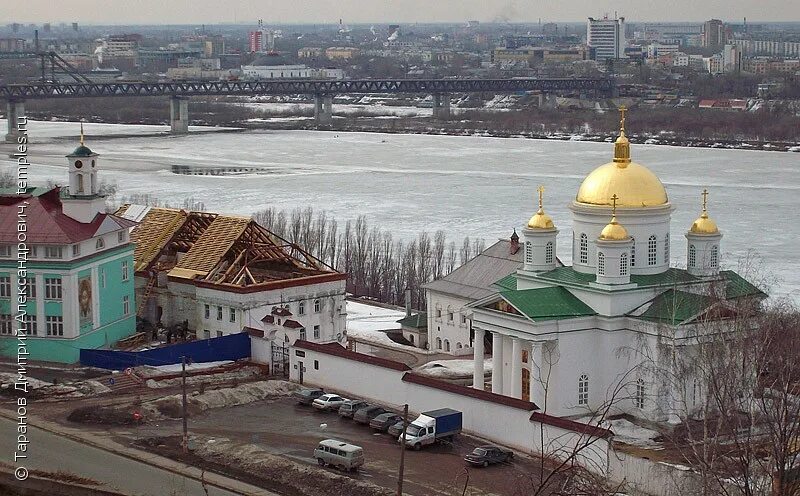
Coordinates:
(465, 186)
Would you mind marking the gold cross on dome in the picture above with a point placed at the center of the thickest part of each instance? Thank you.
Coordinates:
(81, 132)
(614, 205)
(622, 111)
(705, 199)
(540, 189)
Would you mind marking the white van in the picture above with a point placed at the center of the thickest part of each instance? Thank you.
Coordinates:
(339, 454)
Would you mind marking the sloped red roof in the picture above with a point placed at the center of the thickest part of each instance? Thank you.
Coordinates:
(281, 311)
(292, 324)
(46, 223)
(269, 319)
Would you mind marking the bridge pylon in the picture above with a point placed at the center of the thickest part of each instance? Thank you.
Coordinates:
(323, 109)
(178, 115)
(15, 113)
(441, 106)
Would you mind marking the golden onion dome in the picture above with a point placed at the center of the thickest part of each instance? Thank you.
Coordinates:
(614, 231)
(541, 220)
(704, 224)
(634, 184)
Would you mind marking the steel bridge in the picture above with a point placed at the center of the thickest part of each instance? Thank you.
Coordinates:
(300, 86)
(323, 91)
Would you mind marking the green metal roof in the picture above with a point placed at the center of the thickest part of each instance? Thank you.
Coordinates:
(675, 306)
(81, 151)
(415, 321)
(671, 277)
(507, 283)
(30, 190)
(547, 303)
(738, 286)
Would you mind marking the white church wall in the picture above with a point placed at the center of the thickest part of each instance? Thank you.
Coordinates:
(493, 420)
(442, 330)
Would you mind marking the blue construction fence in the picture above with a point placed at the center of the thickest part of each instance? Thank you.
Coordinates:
(230, 347)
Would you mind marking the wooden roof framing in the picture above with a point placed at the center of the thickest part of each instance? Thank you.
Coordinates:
(218, 249)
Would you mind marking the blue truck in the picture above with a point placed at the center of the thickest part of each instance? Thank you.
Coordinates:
(432, 426)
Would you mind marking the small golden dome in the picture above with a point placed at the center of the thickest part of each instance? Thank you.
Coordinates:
(541, 220)
(614, 231)
(635, 185)
(704, 224)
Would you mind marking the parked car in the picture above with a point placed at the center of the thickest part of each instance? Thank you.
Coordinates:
(307, 396)
(483, 456)
(350, 407)
(328, 402)
(396, 429)
(433, 426)
(383, 421)
(339, 454)
(364, 415)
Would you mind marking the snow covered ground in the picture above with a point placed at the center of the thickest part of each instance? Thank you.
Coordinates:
(627, 432)
(465, 186)
(452, 369)
(368, 322)
(148, 371)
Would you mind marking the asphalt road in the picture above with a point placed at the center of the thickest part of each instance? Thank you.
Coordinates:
(53, 453)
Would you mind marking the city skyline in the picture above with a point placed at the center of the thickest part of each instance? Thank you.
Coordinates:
(409, 11)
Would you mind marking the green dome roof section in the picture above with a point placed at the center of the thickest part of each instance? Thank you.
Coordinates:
(82, 151)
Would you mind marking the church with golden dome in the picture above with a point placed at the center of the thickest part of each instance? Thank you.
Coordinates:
(565, 337)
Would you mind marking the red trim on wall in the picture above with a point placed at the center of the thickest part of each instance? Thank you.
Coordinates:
(268, 286)
(342, 352)
(570, 425)
(478, 394)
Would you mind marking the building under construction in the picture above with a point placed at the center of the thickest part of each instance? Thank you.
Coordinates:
(226, 274)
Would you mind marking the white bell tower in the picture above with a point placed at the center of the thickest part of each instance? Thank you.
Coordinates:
(540, 240)
(82, 200)
(703, 240)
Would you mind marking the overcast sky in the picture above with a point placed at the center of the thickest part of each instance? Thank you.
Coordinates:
(368, 11)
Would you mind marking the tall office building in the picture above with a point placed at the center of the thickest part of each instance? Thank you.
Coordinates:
(714, 35)
(607, 37)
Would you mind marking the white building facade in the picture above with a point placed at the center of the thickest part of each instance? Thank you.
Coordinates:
(607, 37)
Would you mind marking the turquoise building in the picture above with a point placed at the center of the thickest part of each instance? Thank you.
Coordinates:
(79, 284)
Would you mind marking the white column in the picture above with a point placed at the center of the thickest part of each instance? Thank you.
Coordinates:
(516, 368)
(537, 391)
(497, 363)
(477, 374)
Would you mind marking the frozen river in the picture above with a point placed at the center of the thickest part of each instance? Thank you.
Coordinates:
(465, 186)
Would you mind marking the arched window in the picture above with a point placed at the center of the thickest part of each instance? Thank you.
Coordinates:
(317, 306)
(80, 184)
(584, 249)
(583, 389)
(623, 264)
(714, 256)
(411, 338)
(692, 256)
(528, 252)
(601, 263)
(301, 308)
(666, 249)
(638, 399)
(652, 256)
(633, 251)
(548, 252)
(446, 345)
(100, 244)
(438, 343)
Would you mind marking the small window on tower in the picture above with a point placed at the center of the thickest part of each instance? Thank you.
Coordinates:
(78, 164)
